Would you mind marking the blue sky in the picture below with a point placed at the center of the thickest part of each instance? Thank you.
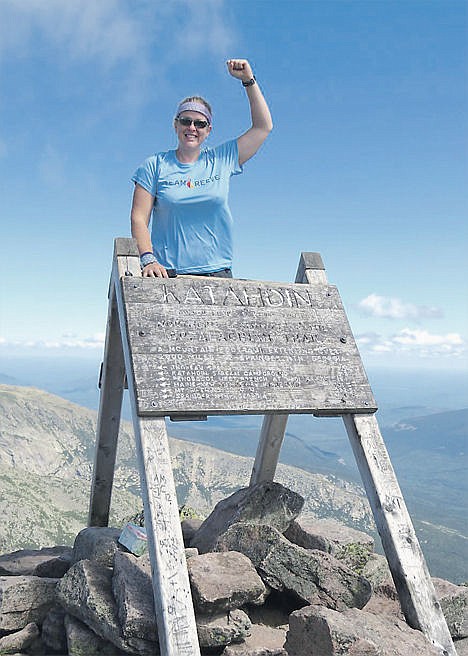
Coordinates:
(367, 163)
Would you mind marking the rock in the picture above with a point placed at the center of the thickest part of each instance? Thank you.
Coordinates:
(461, 647)
(133, 593)
(53, 630)
(82, 641)
(19, 641)
(376, 570)
(326, 535)
(96, 543)
(223, 629)
(86, 593)
(263, 641)
(49, 562)
(189, 528)
(385, 602)
(223, 581)
(454, 602)
(319, 631)
(313, 576)
(25, 599)
(190, 552)
(265, 503)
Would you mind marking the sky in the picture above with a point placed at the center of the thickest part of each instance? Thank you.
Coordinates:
(367, 162)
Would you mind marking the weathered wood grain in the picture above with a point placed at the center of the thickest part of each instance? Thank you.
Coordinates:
(227, 346)
(110, 406)
(310, 270)
(171, 588)
(126, 261)
(406, 561)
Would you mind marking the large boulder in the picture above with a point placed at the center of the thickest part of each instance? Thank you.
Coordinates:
(326, 535)
(224, 581)
(133, 593)
(25, 599)
(20, 640)
(49, 562)
(216, 631)
(265, 503)
(97, 543)
(262, 641)
(82, 641)
(312, 576)
(53, 630)
(319, 631)
(86, 593)
(454, 603)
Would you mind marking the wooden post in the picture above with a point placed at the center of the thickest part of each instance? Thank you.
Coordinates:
(310, 270)
(125, 262)
(406, 561)
(175, 617)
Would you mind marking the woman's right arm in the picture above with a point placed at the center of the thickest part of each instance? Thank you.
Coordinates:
(142, 207)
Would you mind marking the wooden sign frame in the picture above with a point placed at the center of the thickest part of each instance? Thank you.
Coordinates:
(173, 603)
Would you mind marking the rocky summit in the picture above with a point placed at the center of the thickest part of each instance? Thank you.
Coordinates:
(257, 590)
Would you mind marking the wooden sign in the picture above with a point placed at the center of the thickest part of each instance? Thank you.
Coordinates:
(221, 346)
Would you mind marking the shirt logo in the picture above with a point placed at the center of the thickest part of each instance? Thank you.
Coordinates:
(191, 184)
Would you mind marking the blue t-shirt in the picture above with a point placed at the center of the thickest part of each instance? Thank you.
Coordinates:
(191, 220)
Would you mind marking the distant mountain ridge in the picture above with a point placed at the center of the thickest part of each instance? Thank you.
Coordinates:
(46, 458)
(47, 451)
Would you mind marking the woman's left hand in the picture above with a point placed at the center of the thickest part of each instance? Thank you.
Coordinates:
(240, 69)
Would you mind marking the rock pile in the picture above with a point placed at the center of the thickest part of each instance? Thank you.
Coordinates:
(265, 582)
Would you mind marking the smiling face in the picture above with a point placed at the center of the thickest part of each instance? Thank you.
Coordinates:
(190, 137)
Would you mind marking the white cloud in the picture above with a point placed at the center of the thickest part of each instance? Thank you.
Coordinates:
(384, 307)
(67, 341)
(109, 31)
(92, 30)
(419, 343)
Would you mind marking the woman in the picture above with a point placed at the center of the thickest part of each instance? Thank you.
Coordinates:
(186, 190)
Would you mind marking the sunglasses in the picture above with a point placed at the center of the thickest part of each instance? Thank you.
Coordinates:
(186, 122)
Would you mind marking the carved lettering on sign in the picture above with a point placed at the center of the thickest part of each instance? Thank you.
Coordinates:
(242, 347)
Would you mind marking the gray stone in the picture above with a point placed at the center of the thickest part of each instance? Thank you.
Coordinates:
(223, 581)
(133, 593)
(265, 503)
(190, 552)
(82, 641)
(49, 562)
(86, 593)
(311, 575)
(19, 641)
(376, 570)
(319, 631)
(219, 630)
(461, 647)
(454, 602)
(53, 630)
(97, 543)
(25, 599)
(189, 528)
(263, 641)
(326, 535)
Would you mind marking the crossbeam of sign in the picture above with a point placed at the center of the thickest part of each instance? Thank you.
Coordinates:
(220, 346)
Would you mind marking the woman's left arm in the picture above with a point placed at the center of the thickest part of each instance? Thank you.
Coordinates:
(249, 142)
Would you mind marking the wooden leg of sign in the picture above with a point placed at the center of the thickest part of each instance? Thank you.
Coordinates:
(175, 617)
(269, 446)
(172, 597)
(110, 405)
(406, 561)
